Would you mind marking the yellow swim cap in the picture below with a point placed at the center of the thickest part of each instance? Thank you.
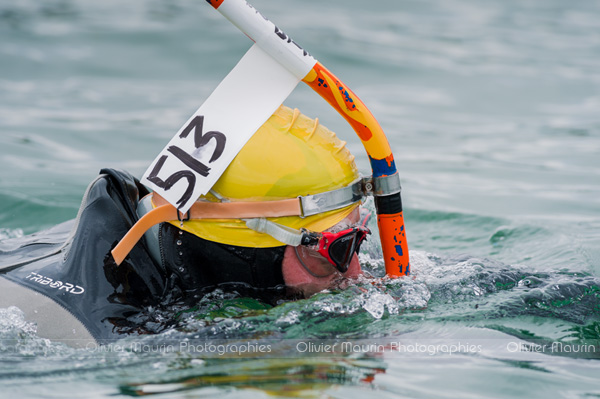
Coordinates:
(288, 156)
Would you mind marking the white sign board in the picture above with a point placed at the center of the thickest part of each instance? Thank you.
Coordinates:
(197, 156)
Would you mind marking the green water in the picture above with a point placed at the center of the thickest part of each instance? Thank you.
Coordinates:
(493, 112)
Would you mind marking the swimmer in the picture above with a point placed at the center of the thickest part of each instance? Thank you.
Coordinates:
(84, 289)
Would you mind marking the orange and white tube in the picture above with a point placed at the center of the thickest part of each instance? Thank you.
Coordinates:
(282, 48)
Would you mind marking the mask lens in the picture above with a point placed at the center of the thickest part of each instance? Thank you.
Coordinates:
(344, 247)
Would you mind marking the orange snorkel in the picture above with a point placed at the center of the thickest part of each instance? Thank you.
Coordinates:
(385, 184)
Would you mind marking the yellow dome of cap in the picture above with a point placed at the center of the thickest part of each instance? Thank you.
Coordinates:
(288, 156)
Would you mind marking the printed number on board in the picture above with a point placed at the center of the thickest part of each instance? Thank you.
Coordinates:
(200, 140)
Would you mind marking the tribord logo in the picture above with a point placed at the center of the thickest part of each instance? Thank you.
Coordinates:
(43, 280)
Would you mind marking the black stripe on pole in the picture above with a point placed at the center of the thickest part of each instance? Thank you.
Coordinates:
(388, 204)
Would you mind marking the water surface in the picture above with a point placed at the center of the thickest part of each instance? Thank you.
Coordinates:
(493, 112)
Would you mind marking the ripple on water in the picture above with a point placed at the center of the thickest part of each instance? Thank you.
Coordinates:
(10, 233)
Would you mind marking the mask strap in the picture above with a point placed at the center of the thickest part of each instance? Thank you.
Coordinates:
(281, 233)
(301, 206)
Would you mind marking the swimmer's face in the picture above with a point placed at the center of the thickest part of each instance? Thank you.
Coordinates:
(320, 274)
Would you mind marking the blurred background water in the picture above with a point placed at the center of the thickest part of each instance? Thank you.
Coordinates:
(493, 113)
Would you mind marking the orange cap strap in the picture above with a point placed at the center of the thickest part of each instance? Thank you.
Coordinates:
(203, 210)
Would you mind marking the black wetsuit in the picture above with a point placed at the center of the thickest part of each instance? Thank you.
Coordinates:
(74, 290)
